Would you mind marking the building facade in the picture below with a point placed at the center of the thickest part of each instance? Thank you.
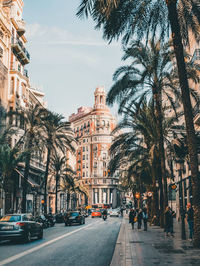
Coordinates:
(16, 93)
(92, 128)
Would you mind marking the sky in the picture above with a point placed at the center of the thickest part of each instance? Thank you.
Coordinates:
(69, 58)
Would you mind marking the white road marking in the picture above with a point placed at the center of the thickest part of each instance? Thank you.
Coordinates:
(15, 257)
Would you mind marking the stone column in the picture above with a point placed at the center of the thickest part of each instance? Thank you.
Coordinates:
(114, 199)
(108, 195)
(100, 196)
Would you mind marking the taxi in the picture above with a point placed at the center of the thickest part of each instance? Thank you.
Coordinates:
(96, 213)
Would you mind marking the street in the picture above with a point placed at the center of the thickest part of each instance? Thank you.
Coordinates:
(89, 244)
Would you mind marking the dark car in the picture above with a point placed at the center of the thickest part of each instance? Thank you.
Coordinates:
(74, 217)
(20, 226)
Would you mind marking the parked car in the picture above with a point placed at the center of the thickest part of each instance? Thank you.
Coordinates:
(43, 221)
(114, 212)
(96, 214)
(20, 226)
(74, 217)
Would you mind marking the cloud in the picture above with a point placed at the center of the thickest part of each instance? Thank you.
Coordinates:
(45, 35)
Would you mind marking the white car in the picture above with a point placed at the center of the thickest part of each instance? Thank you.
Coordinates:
(114, 212)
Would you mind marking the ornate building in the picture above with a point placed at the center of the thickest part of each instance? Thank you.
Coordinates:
(92, 128)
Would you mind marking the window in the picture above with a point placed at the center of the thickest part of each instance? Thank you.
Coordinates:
(86, 174)
(86, 148)
(104, 164)
(83, 174)
(83, 147)
(86, 165)
(83, 140)
(87, 156)
(83, 166)
(104, 156)
(83, 157)
(12, 86)
(103, 122)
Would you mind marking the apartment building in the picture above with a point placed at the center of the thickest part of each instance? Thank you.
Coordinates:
(92, 128)
(17, 93)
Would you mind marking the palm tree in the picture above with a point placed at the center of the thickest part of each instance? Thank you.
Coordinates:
(149, 73)
(9, 160)
(30, 122)
(60, 168)
(68, 186)
(144, 18)
(138, 148)
(59, 136)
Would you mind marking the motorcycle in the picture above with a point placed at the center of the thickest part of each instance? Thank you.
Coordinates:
(104, 217)
(43, 221)
(51, 219)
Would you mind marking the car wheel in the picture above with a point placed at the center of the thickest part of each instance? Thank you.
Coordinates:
(92, 216)
(40, 236)
(27, 237)
(66, 224)
(84, 221)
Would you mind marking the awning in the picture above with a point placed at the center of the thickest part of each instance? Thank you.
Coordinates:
(30, 180)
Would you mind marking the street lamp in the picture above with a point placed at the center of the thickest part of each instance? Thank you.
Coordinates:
(180, 165)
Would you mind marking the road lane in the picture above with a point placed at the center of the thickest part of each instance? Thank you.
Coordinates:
(92, 245)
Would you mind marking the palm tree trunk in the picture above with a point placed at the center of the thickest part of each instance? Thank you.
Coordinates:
(26, 174)
(191, 138)
(46, 179)
(163, 182)
(56, 200)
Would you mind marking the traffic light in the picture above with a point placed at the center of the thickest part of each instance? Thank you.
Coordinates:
(173, 186)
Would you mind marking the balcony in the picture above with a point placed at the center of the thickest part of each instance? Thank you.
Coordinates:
(20, 51)
(21, 27)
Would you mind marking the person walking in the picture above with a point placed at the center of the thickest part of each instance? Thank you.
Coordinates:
(190, 220)
(168, 221)
(139, 219)
(145, 218)
(132, 215)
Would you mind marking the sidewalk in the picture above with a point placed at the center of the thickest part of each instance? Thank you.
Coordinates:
(136, 248)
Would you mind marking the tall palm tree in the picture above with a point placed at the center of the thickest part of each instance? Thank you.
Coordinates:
(60, 169)
(138, 148)
(144, 18)
(59, 136)
(149, 73)
(30, 122)
(9, 160)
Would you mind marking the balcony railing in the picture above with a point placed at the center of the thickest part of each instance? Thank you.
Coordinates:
(20, 51)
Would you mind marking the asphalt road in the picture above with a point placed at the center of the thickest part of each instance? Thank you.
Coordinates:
(77, 245)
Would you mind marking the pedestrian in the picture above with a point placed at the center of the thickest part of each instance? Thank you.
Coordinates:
(168, 221)
(190, 220)
(145, 218)
(139, 219)
(132, 215)
(121, 211)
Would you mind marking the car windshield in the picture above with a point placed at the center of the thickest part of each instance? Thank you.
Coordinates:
(97, 211)
(11, 218)
(74, 214)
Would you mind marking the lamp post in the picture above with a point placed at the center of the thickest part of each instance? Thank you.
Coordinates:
(180, 164)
